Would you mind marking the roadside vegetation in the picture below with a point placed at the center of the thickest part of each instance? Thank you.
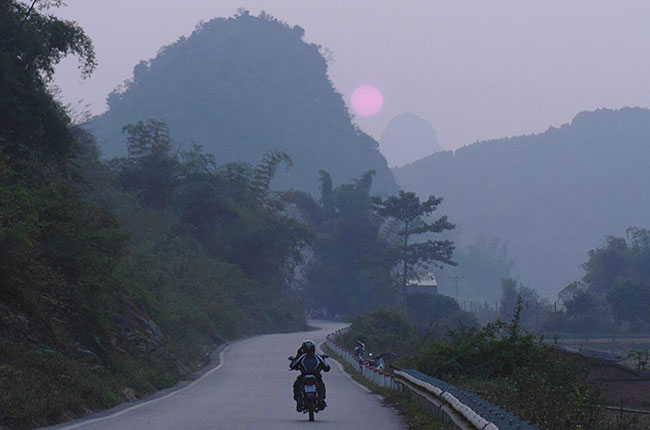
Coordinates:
(611, 300)
(614, 294)
(415, 415)
(118, 278)
(365, 246)
(505, 364)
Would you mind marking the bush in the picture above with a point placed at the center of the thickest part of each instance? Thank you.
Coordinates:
(426, 310)
(383, 330)
(544, 386)
(553, 393)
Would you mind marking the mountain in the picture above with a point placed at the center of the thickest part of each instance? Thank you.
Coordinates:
(407, 138)
(243, 86)
(553, 196)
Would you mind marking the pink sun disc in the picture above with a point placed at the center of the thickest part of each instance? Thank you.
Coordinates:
(366, 100)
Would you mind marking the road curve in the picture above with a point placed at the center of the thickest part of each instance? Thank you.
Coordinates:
(251, 390)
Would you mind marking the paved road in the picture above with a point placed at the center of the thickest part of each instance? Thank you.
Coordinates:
(250, 390)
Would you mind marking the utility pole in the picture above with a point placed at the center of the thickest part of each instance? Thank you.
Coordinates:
(456, 278)
(405, 270)
(617, 306)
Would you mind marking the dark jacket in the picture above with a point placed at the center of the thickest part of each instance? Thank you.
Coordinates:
(310, 363)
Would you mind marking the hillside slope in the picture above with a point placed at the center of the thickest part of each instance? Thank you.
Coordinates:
(241, 87)
(117, 279)
(553, 196)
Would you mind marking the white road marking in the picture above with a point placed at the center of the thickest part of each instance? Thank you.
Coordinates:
(139, 405)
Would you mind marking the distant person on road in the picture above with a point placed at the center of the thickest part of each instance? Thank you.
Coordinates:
(308, 362)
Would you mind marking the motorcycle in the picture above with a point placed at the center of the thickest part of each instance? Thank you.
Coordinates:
(376, 362)
(309, 393)
(310, 396)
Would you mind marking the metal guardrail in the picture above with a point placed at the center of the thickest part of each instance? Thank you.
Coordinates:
(466, 410)
(383, 379)
(480, 413)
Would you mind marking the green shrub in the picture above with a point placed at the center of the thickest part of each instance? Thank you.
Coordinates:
(437, 310)
(383, 330)
(544, 386)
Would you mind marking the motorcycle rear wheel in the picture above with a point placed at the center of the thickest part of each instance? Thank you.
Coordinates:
(310, 408)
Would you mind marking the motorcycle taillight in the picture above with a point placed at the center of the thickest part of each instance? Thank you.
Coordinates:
(310, 382)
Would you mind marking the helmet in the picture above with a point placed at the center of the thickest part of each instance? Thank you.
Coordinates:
(308, 346)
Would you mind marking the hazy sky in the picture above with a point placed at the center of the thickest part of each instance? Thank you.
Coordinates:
(474, 69)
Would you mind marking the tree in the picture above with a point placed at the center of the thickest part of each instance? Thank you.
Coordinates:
(425, 310)
(638, 266)
(408, 213)
(350, 269)
(605, 265)
(630, 301)
(265, 171)
(577, 300)
(151, 168)
(534, 309)
(509, 295)
(33, 126)
(326, 195)
(148, 140)
(621, 258)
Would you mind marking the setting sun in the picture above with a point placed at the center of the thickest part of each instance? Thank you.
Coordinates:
(366, 100)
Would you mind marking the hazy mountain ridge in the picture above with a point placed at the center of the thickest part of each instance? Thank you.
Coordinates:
(408, 137)
(241, 87)
(552, 195)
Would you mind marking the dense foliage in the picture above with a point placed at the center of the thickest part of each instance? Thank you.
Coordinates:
(551, 196)
(366, 247)
(119, 278)
(538, 383)
(383, 330)
(241, 87)
(32, 124)
(507, 365)
(535, 310)
(129, 293)
(615, 290)
(351, 261)
(436, 312)
(409, 216)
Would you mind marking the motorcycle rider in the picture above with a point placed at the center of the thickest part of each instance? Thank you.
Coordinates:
(303, 348)
(308, 362)
(359, 350)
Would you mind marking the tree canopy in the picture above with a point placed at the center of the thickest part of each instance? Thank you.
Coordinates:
(350, 268)
(616, 286)
(408, 213)
(33, 126)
